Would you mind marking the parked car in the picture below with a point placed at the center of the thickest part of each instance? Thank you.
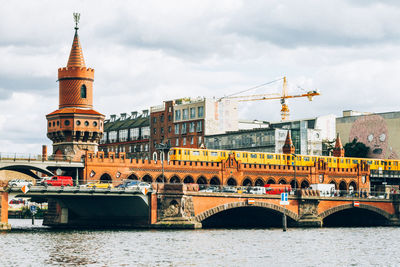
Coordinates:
(210, 189)
(97, 185)
(257, 190)
(19, 183)
(128, 184)
(59, 181)
(229, 189)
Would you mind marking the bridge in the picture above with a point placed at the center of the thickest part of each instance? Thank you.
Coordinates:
(185, 206)
(31, 165)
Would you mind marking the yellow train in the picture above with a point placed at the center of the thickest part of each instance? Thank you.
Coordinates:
(211, 155)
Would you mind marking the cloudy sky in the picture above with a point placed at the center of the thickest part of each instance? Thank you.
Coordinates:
(144, 52)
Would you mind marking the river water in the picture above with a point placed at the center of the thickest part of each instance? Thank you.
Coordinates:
(28, 245)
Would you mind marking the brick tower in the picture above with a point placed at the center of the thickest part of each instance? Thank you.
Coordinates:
(288, 147)
(338, 150)
(75, 127)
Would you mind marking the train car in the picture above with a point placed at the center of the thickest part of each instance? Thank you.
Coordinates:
(210, 155)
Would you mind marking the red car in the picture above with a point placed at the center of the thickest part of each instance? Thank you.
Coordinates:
(59, 181)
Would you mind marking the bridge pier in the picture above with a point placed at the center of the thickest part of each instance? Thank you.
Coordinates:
(308, 213)
(4, 225)
(174, 208)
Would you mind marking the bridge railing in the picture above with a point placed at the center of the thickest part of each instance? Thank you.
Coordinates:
(32, 157)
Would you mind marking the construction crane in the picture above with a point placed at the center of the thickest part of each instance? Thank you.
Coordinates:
(282, 97)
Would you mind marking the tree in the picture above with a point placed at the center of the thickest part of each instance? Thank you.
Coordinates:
(356, 149)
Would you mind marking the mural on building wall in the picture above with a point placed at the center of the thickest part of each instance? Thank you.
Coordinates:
(373, 132)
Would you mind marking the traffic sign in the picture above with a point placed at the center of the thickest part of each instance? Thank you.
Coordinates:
(25, 189)
(284, 199)
(356, 204)
(33, 209)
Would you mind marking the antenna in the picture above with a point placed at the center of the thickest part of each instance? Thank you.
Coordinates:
(77, 16)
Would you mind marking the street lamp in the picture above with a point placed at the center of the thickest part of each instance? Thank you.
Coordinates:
(294, 166)
(164, 149)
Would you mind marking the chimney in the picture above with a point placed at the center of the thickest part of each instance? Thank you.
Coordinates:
(44, 152)
(133, 114)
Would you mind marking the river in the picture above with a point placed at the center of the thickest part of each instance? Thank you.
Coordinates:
(35, 245)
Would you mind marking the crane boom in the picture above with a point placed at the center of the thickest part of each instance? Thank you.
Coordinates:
(282, 97)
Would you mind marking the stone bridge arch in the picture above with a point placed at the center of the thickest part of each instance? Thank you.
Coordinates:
(208, 213)
(333, 210)
(27, 169)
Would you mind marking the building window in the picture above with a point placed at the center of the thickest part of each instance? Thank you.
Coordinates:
(199, 126)
(112, 136)
(154, 130)
(183, 128)
(169, 129)
(162, 118)
(199, 143)
(176, 128)
(95, 123)
(169, 109)
(145, 132)
(191, 127)
(177, 115)
(134, 133)
(200, 112)
(177, 142)
(123, 135)
(185, 114)
(169, 117)
(192, 113)
(191, 140)
(154, 119)
(184, 141)
(162, 130)
(146, 147)
(83, 91)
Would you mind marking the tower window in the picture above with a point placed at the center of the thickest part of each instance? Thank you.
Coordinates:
(95, 123)
(49, 124)
(83, 91)
(78, 123)
(86, 123)
(66, 122)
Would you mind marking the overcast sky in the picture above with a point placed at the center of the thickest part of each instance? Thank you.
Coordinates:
(144, 52)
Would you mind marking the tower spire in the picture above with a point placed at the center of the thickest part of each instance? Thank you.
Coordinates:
(76, 55)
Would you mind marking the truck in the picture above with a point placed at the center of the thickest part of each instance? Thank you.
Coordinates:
(276, 189)
(326, 190)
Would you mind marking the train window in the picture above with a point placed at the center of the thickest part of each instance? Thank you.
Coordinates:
(245, 155)
(390, 163)
(253, 156)
(355, 161)
(395, 163)
(334, 160)
(306, 159)
(341, 161)
(313, 159)
(329, 160)
(179, 152)
(238, 155)
(278, 157)
(223, 154)
(270, 156)
(213, 153)
(369, 162)
(196, 153)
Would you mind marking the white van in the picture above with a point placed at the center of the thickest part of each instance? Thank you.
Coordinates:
(326, 190)
(257, 190)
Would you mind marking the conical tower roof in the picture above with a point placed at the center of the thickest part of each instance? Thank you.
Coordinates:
(338, 143)
(76, 56)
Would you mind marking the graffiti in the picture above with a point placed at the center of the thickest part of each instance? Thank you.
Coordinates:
(373, 132)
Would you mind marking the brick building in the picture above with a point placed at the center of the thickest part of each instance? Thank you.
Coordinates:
(129, 134)
(184, 122)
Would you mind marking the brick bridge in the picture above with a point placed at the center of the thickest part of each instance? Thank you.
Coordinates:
(184, 205)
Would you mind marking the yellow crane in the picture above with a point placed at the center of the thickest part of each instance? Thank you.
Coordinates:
(282, 97)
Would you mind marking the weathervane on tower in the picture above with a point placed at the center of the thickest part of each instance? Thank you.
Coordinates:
(77, 16)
